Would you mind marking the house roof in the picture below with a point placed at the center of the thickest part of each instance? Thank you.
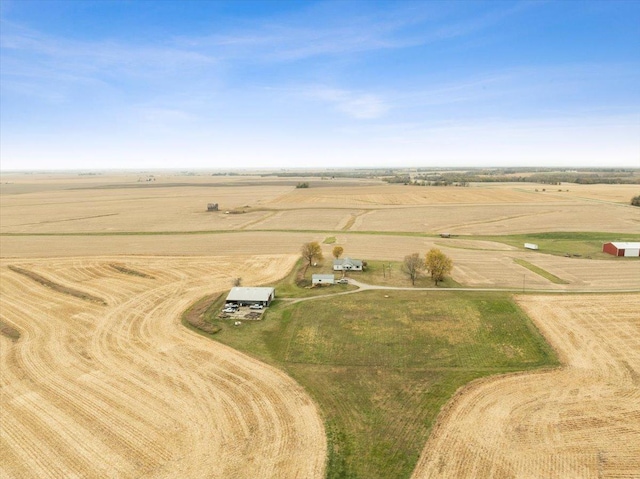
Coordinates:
(250, 294)
(626, 244)
(352, 262)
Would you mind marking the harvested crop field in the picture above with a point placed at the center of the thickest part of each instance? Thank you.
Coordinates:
(124, 390)
(41, 204)
(390, 195)
(582, 420)
(100, 379)
(504, 218)
(476, 263)
(239, 243)
(157, 208)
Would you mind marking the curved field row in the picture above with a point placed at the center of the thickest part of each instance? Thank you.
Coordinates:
(582, 420)
(126, 391)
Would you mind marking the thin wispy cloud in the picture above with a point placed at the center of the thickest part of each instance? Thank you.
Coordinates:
(293, 77)
(290, 39)
(26, 48)
(365, 106)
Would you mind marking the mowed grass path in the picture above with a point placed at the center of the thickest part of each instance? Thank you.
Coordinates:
(380, 368)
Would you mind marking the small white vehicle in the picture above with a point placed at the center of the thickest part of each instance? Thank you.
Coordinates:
(256, 306)
(229, 310)
(342, 281)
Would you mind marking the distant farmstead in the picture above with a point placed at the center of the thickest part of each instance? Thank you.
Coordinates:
(347, 264)
(246, 296)
(621, 248)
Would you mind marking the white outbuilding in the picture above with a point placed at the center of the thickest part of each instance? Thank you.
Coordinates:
(318, 279)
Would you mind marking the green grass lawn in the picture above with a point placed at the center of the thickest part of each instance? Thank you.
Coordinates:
(380, 368)
(389, 273)
(297, 284)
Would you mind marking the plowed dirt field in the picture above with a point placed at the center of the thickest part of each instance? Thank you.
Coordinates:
(124, 390)
(579, 421)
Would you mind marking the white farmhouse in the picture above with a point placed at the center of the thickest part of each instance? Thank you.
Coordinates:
(347, 264)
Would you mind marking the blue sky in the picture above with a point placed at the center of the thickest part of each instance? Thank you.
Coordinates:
(220, 85)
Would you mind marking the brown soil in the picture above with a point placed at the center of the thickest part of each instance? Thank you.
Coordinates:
(195, 314)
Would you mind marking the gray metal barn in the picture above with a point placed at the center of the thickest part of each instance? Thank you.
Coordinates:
(246, 296)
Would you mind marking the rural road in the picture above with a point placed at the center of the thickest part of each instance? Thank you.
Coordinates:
(367, 287)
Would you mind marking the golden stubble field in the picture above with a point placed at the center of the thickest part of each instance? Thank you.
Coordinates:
(579, 421)
(87, 204)
(58, 215)
(124, 390)
(492, 266)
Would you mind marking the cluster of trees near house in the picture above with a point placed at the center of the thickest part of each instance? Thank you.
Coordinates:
(437, 264)
(635, 201)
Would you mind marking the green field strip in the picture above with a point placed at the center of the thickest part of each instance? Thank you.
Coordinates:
(539, 271)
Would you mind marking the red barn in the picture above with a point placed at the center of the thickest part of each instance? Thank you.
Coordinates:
(620, 248)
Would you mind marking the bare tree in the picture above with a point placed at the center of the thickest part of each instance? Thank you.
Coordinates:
(337, 251)
(237, 282)
(413, 266)
(311, 252)
(438, 264)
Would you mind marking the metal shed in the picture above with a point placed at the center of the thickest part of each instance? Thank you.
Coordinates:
(244, 296)
(323, 279)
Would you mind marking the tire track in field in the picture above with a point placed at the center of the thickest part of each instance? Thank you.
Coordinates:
(126, 391)
(582, 420)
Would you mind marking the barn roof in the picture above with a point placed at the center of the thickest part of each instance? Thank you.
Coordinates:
(250, 294)
(626, 244)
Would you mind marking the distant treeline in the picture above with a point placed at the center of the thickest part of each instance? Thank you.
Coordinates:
(374, 173)
(551, 177)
